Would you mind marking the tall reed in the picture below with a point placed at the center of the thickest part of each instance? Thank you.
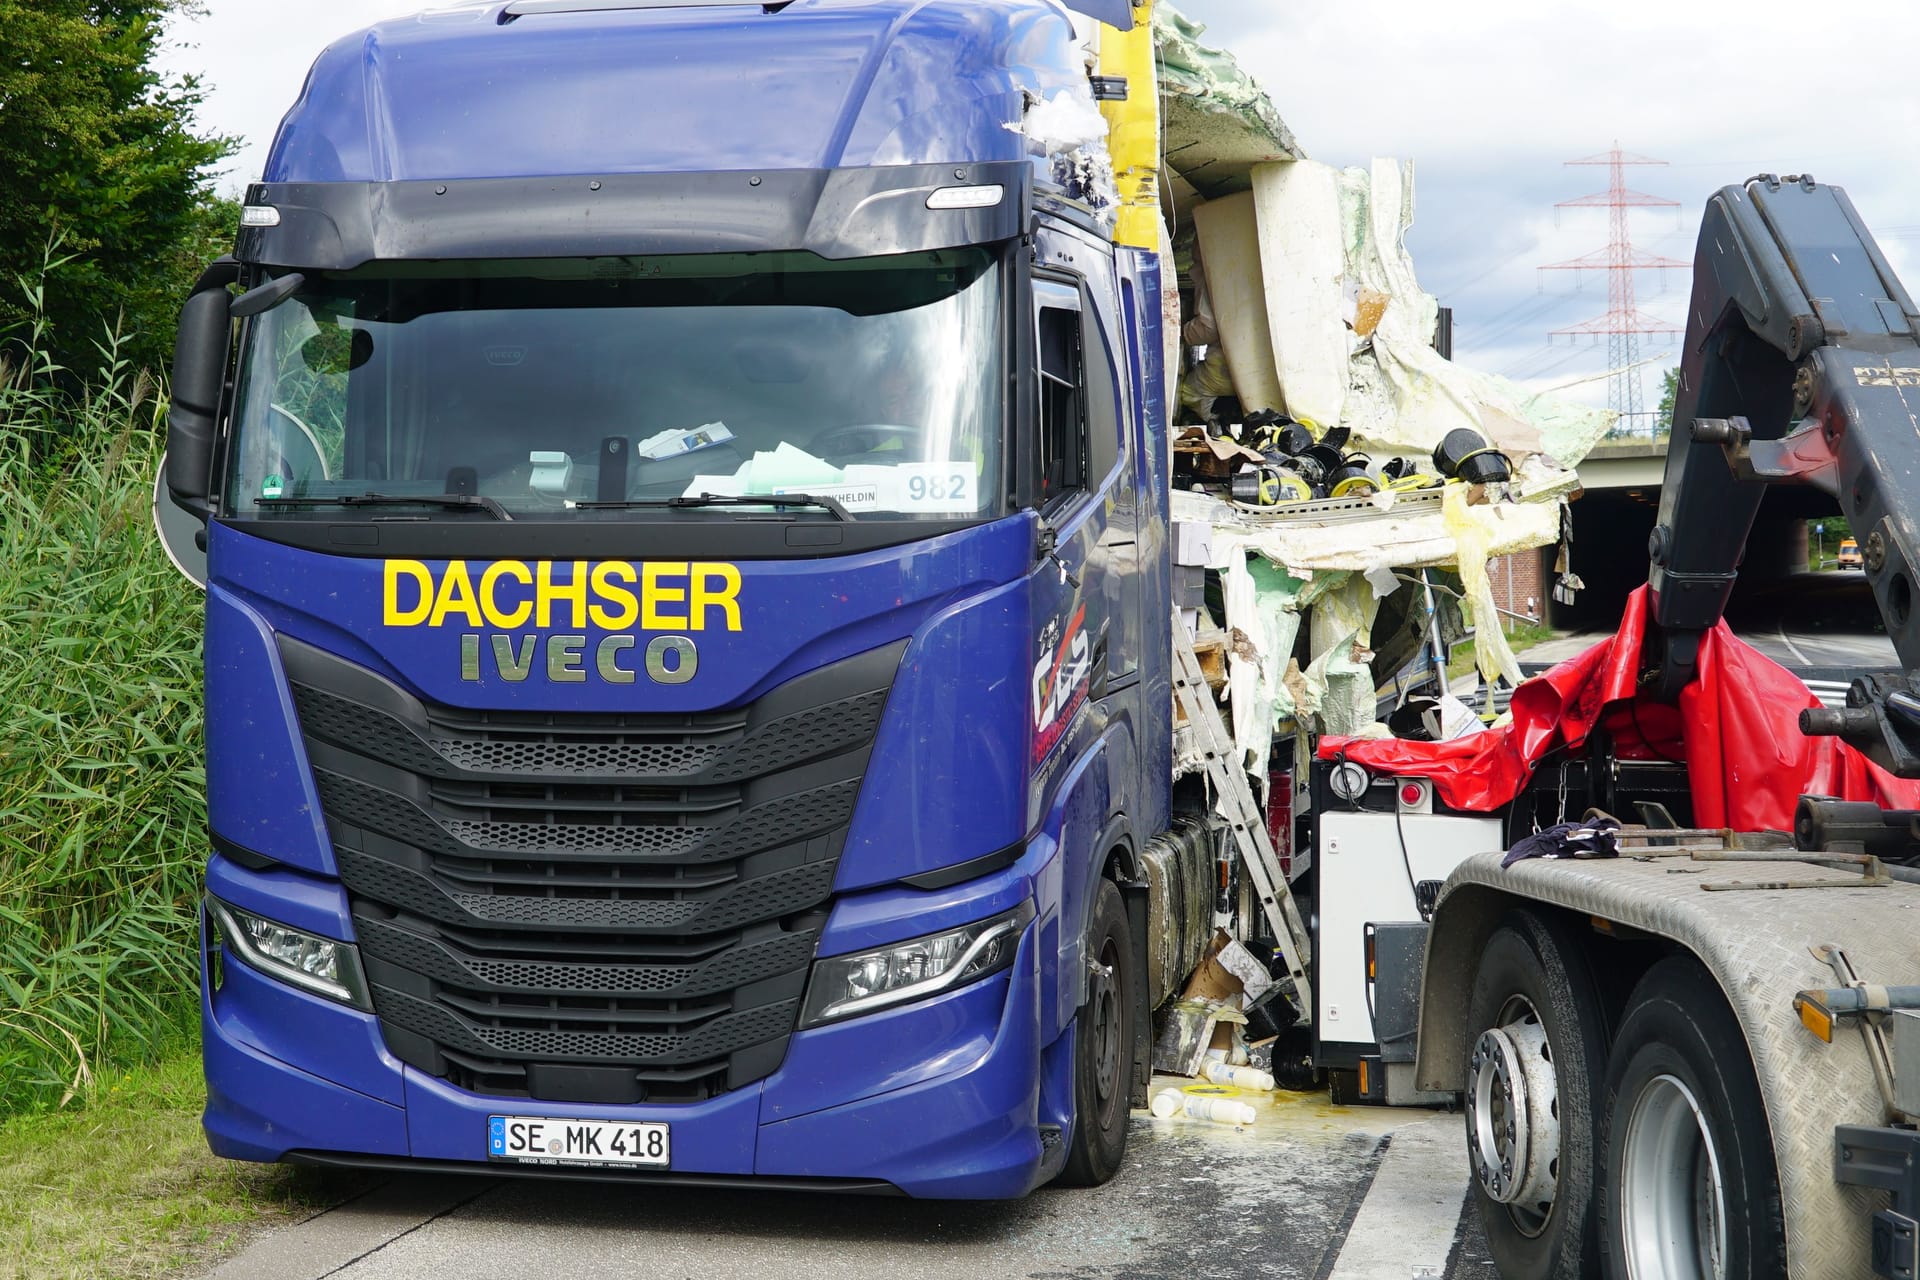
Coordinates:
(102, 819)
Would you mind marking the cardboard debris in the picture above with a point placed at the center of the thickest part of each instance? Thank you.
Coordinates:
(1186, 1032)
(1214, 456)
(1212, 981)
(1193, 543)
(1241, 964)
(1229, 1036)
(1451, 718)
(1208, 1015)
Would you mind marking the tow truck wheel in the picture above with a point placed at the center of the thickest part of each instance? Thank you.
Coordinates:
(1535, 1050)
(1691, 1191)
(1102, 1047)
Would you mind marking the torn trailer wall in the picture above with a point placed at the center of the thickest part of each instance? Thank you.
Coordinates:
(1298, 296)
(1304, 284)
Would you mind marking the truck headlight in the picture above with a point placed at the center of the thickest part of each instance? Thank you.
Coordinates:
(293, 956)
(845, 986)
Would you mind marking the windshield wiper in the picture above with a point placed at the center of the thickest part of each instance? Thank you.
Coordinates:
(450, 501)
(724, 500)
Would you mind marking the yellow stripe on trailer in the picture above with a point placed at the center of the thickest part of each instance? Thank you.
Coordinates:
(1134, 128)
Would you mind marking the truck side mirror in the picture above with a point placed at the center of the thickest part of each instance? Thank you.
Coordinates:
(199, 373)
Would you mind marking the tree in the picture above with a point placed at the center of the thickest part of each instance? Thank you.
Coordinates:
(100, 154)
(1669, 390)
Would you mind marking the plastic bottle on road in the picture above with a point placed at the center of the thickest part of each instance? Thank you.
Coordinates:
(1239, 1077)
(1169, 1103)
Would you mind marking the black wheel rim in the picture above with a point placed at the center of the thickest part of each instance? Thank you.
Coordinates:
(1107, 1028)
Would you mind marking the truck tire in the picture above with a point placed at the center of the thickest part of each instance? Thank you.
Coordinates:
(1536, 1049)
(1690, 1190)
(1103, 1047)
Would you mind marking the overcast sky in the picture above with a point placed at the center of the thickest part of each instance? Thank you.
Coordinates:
(1487, 98)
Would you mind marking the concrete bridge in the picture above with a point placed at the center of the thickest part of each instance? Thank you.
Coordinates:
(1631, 463)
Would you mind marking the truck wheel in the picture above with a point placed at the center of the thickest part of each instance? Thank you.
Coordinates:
(1536, 1050)
(1103, 1047)
(1691, 1189)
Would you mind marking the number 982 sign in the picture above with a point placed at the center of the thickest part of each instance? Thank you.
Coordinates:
(938, 486)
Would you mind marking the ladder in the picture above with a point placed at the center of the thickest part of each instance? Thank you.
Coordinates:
(1244, 820)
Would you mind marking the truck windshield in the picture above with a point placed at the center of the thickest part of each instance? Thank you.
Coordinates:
(569, 387)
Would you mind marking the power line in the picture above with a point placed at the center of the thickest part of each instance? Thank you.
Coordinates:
(1462, 287)
(1528, 367)
(1529, 313)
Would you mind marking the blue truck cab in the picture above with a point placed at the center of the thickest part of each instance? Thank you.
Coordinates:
(682, 490)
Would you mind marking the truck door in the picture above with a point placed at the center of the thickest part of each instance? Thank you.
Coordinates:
(1086, 496)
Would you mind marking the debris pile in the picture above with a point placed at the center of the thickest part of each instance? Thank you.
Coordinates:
(1339, 487)
(1226, 1032)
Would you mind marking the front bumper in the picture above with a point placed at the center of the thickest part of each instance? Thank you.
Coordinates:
(939, 1098)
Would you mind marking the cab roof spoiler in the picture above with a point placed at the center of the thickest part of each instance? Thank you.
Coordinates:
(1115, 13)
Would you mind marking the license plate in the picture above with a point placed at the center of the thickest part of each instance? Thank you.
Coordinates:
(548, 1140)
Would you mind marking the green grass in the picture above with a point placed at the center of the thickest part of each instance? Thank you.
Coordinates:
(121, 1184)
(1522, 635)
(101, 814)
(103, 1168)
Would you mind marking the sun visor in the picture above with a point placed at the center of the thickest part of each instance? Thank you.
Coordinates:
(1115, 13)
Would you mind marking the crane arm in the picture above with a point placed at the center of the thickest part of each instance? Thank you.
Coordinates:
(1801, 366)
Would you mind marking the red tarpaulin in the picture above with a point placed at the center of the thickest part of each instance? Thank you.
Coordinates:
(1736, 728)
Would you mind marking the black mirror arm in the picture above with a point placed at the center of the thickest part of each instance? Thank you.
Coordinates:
(265, 297)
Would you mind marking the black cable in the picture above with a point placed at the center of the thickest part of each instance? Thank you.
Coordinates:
(1406, 862)
(1373, 1020)
(1406, 859)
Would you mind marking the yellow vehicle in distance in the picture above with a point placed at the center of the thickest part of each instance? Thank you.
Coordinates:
(1848, 556)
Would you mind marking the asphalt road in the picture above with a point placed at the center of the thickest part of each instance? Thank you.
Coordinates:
(1308, 1192)
(1821, 622)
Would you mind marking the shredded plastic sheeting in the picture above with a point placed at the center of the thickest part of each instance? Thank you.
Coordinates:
(1472, 537)
(1218, 121)
(1206, 382)
(1277, 573)
(1342, 648)
(1263, 619)
(1388, 383)
(1064, 122)
(1069, 130)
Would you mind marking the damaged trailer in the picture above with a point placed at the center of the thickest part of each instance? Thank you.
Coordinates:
(1339, 489)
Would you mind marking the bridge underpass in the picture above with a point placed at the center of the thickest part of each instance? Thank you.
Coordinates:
(1612, 520)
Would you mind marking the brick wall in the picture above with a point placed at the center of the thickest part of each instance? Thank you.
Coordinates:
(1520, 577)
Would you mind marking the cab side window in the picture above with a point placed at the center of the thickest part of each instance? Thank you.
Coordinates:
(1063, 394)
